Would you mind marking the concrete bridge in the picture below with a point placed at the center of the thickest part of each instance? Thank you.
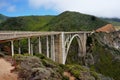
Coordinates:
(57, 43)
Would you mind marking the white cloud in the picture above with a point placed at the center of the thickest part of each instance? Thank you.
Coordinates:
(107, 8)
(11, 8)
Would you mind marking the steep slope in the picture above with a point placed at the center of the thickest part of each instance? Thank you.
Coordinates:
(74, 21)
(25, 23)
(105, 51)
(3, 18)
(106, 28)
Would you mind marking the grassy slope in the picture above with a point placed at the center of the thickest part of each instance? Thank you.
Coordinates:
(25, 23)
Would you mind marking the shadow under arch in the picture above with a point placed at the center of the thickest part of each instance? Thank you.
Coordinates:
(79, 42)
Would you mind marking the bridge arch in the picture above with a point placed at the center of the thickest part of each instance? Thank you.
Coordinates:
(67, 46)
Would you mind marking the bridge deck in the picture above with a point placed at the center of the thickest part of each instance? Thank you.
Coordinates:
(8, 35)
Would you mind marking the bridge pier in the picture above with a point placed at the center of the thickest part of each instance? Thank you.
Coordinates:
(31, 49)
(12, 47)
(39, 45)
(19, 47)
(29, 45)
(47, 45)
(84, 43)
(63, 47)
(52, 48)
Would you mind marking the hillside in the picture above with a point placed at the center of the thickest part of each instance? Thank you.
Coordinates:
(2, 18)
(106, 54)
(25, 23)
(74, 21)
(66, 21)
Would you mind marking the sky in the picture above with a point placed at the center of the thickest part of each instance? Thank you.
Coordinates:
(100, 8)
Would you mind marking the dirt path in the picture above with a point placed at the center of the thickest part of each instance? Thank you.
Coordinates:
(5, 68)
(69, 75)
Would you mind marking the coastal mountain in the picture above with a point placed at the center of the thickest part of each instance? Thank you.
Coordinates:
(74, 21)
(66, 21)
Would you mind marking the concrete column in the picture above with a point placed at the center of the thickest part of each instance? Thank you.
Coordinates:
(19, 47)
(29, 46)
(63, 47)
(12, 47)
(47, 44)
(52, 48)
(40, 48)
(32, 49)
(84, 43)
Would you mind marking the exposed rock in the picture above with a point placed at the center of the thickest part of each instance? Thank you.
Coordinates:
(106, 55)
(107, 28)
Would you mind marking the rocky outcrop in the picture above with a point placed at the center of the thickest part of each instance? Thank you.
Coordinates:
(105, 51)
(110, 39)
(34, 68)
(107, 28)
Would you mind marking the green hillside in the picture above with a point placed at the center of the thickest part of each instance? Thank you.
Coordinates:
(25, 23)
(66, 21)
(74, 21)
(2, 18)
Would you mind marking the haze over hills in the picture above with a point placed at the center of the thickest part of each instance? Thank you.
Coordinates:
(114, 21)
(66, 21)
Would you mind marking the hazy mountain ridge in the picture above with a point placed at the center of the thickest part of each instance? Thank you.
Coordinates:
(114, 21)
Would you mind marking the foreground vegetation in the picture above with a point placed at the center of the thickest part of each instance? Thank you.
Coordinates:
(38, 67)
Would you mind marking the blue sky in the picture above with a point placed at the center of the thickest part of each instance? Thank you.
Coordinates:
(101, 8)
